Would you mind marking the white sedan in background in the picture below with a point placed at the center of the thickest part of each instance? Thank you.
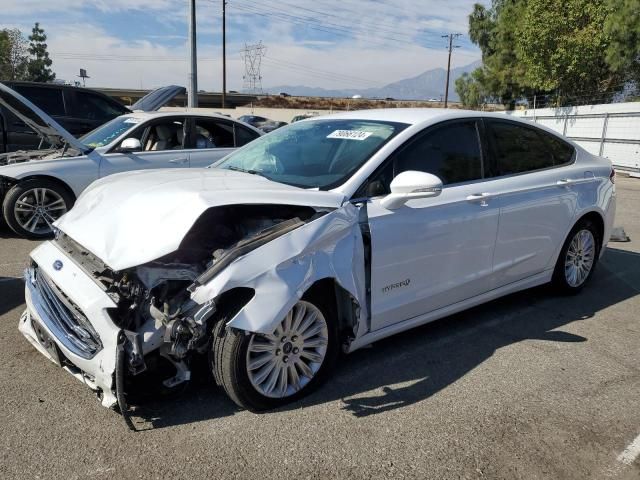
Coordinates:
(326, 235)
(39, 186)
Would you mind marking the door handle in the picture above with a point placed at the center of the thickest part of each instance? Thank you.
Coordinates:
(480, 198)
(565, 182)
(179, 160)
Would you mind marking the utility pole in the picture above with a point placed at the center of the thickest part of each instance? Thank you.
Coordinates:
(450, 36)
(224, 54)
(192, 89)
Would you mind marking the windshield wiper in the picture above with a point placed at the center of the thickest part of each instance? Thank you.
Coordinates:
(251, 172)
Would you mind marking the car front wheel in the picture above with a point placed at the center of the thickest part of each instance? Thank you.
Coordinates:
(260, 372)
(31, 207)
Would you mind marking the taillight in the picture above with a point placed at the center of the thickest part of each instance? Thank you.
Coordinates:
(612, 176)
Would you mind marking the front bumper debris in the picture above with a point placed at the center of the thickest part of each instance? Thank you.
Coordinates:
(66, 320)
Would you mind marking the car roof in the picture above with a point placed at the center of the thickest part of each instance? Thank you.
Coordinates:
(172, 113)
(412, 116)
(427, 116)
(48, 85)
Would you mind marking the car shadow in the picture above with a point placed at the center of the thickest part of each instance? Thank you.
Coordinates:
(11, 294)
(412, 366)
(432, 357)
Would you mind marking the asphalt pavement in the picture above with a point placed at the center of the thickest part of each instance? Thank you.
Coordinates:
(530, 386)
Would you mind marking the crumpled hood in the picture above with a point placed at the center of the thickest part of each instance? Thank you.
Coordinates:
(131, 218)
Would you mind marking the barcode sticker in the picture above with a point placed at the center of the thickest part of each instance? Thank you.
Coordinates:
(349, 134)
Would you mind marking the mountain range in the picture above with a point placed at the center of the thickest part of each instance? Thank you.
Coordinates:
(427, 85)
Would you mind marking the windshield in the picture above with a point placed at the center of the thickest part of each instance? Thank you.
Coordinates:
(313, 154)
(107, 133)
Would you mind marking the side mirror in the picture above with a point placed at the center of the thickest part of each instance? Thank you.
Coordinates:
(410, 185)
(130, 145)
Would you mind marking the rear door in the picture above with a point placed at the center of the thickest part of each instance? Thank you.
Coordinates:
(536, 202)
(162, 146)
(213, 138)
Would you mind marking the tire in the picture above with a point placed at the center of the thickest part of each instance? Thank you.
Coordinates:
(232, 350)
(30, 207)
(583, 255)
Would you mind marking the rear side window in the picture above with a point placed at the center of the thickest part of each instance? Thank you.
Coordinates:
(561, 151)
(213, 134)
(244, 136)
(519, 148)
(48, 99)
(94, 107)
(451, 152)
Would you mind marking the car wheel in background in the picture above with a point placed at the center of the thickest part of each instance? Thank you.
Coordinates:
(578, 258)
(31, 207)
(260, 372)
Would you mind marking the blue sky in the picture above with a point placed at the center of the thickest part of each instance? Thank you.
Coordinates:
(322, 43)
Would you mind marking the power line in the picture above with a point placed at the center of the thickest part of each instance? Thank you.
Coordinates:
(323, 27)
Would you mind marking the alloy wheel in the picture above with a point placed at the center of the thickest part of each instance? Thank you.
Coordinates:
(282, 363)
(580, 258)
(37, 209)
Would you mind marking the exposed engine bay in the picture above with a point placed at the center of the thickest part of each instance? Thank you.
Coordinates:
(22, 156)
(154, 306)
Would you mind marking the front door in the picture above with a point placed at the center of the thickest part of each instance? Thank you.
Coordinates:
(162, 146)
(437, 251)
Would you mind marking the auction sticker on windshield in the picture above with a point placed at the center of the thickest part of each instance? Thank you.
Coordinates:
(349, 134)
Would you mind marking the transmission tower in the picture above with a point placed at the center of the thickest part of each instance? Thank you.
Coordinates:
(252, 55)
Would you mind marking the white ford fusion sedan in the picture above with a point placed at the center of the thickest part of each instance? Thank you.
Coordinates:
(321, 237)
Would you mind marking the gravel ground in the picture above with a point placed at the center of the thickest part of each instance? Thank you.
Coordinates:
(529, 386)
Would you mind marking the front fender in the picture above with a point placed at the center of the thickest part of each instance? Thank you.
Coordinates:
(282, 270)
(75, 172)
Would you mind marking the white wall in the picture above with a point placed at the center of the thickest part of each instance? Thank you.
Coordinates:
(611, 130)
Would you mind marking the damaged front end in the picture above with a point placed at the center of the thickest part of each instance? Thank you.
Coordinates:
(253, 260)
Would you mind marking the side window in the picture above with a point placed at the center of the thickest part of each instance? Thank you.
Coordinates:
(562, 152)
(451, 152)
(518, 148)
(48, 99)
(94, 107)
(211, 133)
(167, 134)
(244, 136)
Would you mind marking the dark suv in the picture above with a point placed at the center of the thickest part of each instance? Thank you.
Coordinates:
(78, 110)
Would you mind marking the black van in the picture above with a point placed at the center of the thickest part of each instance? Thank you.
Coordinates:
(78, 110)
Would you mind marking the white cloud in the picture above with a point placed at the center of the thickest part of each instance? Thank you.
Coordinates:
(380, 51)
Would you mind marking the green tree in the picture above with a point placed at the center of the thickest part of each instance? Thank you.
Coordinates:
(622, 26)
(470, 88)
(562, 47)
(13, 55)
(39, 64)
(556, 47)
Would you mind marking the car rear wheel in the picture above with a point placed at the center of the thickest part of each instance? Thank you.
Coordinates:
(31, 207)
(260, 372)
(578, 258)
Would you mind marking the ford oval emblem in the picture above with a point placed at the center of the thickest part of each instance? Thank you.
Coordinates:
(57, 265)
